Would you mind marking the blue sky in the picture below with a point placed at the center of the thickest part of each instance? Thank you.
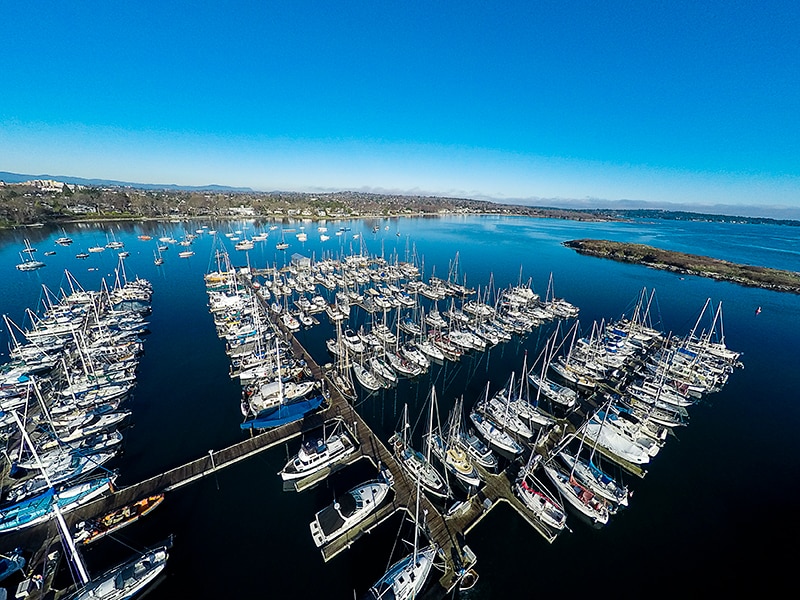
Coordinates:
(686, 102)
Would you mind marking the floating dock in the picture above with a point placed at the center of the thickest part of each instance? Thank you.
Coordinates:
(446, 531)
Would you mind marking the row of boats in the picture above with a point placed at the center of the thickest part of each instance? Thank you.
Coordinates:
(277, 386)
(641, 382)
(632, 382)
(62, 398)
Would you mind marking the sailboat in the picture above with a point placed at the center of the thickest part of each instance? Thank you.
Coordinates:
(284, 411)
(64, 240)
(283, 244)
(554, 392)
(446, 448)
(29, 263)
(492, 433)
(578, 495)
(417, 464)
(118, 583)
(405, 579)
(536, 497)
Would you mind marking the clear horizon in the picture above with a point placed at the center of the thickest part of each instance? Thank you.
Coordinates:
(683, 103)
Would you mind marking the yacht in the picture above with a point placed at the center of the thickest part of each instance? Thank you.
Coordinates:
(319, 452)
(347, 511)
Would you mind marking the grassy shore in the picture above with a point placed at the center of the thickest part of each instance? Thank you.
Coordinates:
(690, 264)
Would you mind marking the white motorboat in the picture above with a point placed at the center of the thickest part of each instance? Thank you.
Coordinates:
(347, 511)
(319, 452)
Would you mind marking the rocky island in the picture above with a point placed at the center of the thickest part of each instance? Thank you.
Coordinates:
(690, 264)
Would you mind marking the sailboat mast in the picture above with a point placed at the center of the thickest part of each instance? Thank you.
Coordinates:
(82, 573)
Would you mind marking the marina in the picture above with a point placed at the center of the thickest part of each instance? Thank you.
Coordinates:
(444, 524)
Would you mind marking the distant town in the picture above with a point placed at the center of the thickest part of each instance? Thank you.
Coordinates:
(34, 201)
(46, 201)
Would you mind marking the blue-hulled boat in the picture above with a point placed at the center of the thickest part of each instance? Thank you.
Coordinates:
(11, 563)
(40, 508)
(284, 413)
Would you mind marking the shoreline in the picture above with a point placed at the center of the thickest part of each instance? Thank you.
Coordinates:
(690, 264)
(581, 217)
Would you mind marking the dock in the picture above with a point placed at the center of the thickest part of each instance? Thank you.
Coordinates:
(445, 531)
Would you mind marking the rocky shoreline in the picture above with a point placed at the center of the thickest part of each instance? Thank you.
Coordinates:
(690, 264)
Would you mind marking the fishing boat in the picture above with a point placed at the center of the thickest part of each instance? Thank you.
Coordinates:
(348, 511)
(91, 531)
(319, 452)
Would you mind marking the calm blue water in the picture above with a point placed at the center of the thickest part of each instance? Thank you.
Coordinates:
(716, 509)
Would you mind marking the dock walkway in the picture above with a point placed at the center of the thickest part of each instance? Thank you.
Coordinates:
(447, 532)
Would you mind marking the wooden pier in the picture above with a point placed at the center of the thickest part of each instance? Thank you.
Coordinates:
(446, 531)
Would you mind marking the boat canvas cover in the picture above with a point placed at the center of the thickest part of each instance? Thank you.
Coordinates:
(330, 519)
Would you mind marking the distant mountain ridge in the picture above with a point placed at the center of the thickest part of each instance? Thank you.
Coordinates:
(20, 178)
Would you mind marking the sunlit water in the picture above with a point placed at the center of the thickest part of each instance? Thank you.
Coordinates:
(715, 510)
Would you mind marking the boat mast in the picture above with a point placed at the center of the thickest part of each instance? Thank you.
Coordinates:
(73, 551)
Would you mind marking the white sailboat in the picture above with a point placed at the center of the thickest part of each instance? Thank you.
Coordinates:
(121, 582)
(537, 499)
(417, 464)
(444, 445)
(405, 579)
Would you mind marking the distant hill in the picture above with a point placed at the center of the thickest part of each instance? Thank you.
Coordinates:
(20, 177)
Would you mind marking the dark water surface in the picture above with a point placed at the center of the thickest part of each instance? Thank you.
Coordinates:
(715, 513)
